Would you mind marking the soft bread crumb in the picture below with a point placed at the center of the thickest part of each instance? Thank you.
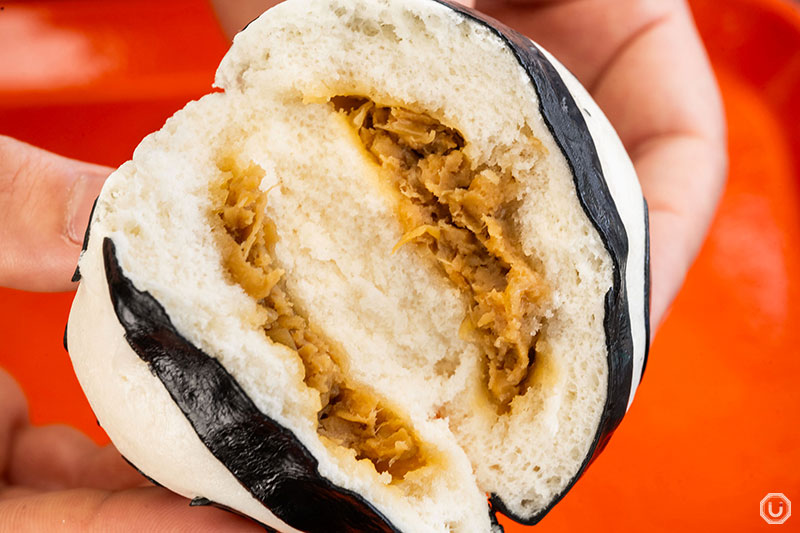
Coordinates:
(394, 315)
(350, 415)
(460, 216)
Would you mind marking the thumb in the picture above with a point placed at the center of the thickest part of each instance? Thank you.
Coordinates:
(45, 200)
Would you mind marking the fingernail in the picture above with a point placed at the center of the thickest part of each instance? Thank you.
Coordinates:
(82, 194)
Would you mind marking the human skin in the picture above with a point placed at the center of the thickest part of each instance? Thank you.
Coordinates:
(641, 60)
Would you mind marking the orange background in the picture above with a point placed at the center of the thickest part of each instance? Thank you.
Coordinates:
(716, 425)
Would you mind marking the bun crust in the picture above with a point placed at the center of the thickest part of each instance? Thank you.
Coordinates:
(286, 295)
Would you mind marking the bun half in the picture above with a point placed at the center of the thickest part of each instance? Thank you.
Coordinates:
(398, 265)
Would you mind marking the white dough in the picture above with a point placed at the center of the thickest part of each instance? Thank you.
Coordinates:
(396, 316)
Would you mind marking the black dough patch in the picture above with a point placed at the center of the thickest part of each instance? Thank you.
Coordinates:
(568, 127)
(265, 457)
(64, 340)
(76, 276)
(646, 288)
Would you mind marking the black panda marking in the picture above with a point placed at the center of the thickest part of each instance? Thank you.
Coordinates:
(265, 457)
(568, 127)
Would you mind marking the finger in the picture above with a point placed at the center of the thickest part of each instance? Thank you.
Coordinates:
(642, 60)
(660, 94)
(53, 457)
(13, 417)
(149, 509)
(661, 83)
(583, 34)
(683, 177)
(234, 16)
(60, 457)
(45, 200)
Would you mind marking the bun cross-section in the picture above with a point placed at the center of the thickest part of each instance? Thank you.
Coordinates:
(393, 277)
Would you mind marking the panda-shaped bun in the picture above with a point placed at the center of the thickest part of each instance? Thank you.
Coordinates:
(392, 278)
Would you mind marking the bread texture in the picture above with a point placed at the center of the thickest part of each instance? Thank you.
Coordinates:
(289, 131)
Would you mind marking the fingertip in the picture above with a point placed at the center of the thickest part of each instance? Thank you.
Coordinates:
(157, 509)
(81, 197)
(171, 512)
(58, 457)
(45, 201)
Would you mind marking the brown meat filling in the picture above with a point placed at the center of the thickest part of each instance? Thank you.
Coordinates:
(462, 217)
(351, 416)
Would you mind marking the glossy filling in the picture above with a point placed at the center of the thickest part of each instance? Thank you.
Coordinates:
(462, 217)
(350, 415)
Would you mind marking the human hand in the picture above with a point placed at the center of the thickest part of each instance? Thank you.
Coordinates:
(644, 64)
(45, 201)
(54, 477)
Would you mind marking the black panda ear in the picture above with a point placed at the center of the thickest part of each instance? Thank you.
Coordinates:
(266, 458)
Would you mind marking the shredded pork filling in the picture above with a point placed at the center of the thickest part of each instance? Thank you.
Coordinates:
(351, 415)
(463, 218)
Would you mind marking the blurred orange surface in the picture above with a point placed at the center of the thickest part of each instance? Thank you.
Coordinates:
(716, 424)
